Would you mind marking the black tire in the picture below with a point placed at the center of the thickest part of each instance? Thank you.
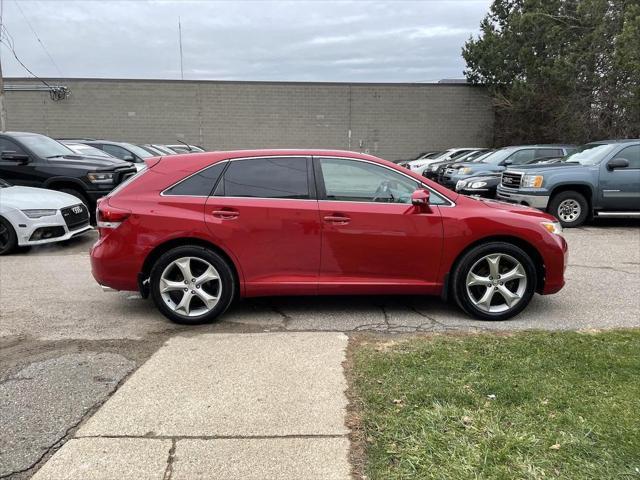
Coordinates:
(227, 284)
(559, 202)
(78, 194)
(8, 237)
(474, 257)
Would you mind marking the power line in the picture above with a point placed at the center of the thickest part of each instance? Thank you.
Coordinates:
(38, 38)
(8, 41)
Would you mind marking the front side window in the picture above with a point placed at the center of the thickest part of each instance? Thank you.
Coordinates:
(271, 177)
(356, 181)
(116, 151)
(9, 146)
(200, 184)
(632, 155)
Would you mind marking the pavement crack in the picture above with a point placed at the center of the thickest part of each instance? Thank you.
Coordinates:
(386, 316)
(285, 317)
(172, 455)
(603, 267)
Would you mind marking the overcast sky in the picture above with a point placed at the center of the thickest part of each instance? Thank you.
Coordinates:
(369, 41)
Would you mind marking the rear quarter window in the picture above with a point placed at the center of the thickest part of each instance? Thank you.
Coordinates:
(200, 184)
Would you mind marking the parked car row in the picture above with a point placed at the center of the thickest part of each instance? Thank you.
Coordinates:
(572, 183)
(49, 188)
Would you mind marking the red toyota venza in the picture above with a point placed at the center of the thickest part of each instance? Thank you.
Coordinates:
(197, 231)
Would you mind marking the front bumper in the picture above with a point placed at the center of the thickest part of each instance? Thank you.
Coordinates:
(535, 200)
(52, 223)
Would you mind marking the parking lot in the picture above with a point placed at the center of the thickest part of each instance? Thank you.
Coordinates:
(60, 333)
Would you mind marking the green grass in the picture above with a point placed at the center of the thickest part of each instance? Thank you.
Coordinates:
(566, 406)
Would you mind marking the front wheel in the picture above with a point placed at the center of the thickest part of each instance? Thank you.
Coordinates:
(570, 207)
(8, 238)
(192, 285)
(494, 281)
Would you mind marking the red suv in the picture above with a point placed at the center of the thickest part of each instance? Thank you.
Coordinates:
(197, 231)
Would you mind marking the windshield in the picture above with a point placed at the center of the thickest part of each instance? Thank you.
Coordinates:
(136, 150)
(44, 146)
(589, 154)
(497, 157)
(3, 184)
(81, 149)
(481, 157)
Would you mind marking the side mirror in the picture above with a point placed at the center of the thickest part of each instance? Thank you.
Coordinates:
(507, 162)
(128, 158)
(617, 163)
(420, 199)
(14, 156)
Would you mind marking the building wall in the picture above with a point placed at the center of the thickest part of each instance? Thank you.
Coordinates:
(390, 120)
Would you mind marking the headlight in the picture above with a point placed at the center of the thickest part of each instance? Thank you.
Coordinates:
(37, 213)
(532, 181)
(478, 184)
(460, 185)
(98, 177)
(465, 171)
(553, 227)
(433, 168)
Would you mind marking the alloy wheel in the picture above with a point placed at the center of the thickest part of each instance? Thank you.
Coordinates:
(190, 286)
(569, 210)
(496, 283)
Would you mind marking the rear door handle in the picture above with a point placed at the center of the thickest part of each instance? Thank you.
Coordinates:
(337, 219)
(226, 214)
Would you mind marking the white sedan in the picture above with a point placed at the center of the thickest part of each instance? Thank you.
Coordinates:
(32, 216)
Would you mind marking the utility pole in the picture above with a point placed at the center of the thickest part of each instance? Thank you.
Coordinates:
(180, 42)
(3, 111)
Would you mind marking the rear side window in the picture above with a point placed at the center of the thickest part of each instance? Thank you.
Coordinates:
(272, 177)
(522, 156)
(200, 184)
(549, 152)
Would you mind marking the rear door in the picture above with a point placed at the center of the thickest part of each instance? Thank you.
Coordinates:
(373, 238)
(265, 211)
(620, 188)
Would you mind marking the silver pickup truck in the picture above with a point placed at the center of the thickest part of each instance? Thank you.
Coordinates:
(600, 179)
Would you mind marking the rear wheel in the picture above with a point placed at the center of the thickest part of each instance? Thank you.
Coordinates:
(192, 285)
(570, 208)
(494, 281)
(8, 237)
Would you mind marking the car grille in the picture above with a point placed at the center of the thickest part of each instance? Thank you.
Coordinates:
(122, 175)
(511, 179)
(76, 217)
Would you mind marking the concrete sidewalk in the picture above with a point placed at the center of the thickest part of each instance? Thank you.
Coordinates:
(221, 406)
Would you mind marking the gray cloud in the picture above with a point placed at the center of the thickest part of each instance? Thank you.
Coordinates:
(376, 41)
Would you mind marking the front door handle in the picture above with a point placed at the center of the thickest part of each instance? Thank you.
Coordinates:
(337, 219)
(226, 214)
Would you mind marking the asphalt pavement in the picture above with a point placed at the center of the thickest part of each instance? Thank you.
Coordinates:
(59, 333)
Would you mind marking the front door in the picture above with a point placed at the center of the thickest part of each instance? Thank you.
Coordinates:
(373, 238)
(27, 174)
(265, 212)
(620, 188)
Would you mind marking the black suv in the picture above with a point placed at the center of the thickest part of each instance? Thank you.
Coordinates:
(34, 160)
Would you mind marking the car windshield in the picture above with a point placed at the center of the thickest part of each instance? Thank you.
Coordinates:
(3, 184)
(497, 157)
(481, 158)
(590, 154)
(81, 149)
(44, 146)
(136, 150)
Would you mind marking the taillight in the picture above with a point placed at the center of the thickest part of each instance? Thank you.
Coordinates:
(110, 217)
